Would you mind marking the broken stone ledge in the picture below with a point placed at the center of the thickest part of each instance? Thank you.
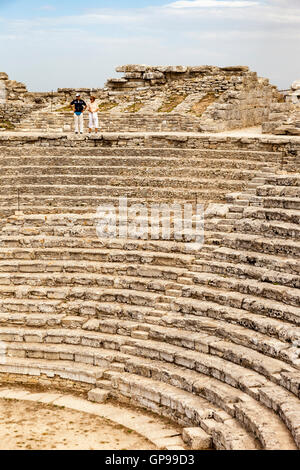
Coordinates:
(289, 145)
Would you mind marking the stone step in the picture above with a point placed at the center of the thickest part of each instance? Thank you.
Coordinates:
(225, 395)
(271, 337)
(284, 180)
(269, 264)
(133, 226)
(243, 271)
(259, 244)
(201, 336)
(281, 202)
(174, 344)
(65, 369)
(273, 214)
(86, 273)
(112, 181)
(271, 228)
(251, 303)
(64, 286)
(287, 295)
(213, 317)
(230, 434)
(86, 174)
(278, 191)
(104, 310)
(84, 270)
(151, 395)
(119, 251)
(90, 218)
(59, 204)
(137, 151)
(68, 286)
(97, 191)
(12, 272)
(118, 165)
(113, 233)
(84, 238)
(65, 205)
(78, 301)
(174, 328)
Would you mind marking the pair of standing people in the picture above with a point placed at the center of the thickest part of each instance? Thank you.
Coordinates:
(79, 106)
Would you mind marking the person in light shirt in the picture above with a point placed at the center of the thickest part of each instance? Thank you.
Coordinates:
(93, 114)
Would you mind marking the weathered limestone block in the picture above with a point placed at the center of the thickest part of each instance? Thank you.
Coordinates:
(97, 395)
(204, 69)
(295, 97)
(133, 75)
(287, 129)
(216, 210)
(134, 84)
(132, 68)
(295, 85)
(153, 75)
(236, 68)
(277, 116)
(197, 439)
(2, 92)
(117, 80)
(172, 69)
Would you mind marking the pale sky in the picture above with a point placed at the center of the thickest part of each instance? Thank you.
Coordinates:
(52, 44)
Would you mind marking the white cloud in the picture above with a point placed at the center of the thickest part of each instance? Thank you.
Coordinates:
(47, 8)
(212, 4)
(263, 34)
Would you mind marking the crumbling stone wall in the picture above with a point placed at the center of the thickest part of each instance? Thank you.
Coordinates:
(222, 98)
(284, 118)
(12, 91)
(201, 98)
(11, 114)
(2, 92)
(15, 102)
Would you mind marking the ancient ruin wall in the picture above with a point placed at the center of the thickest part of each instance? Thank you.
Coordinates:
(148, 98)
(220, 98)
(15, 102)
(284, 117)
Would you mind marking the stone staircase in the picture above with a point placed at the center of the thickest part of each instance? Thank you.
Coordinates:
(209, 339)
(47, 120)
(62, 179)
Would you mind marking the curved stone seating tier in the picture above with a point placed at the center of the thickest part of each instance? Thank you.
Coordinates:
(208, 338)
(247, 408)
(25, 153)
(282, 247)
(171, 402)
(73, 179)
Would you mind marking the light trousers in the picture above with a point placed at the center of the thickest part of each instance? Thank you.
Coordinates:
(78, 120)
(93, 120)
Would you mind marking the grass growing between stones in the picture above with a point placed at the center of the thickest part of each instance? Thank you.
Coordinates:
(171, 103)
(104, 107)
(5, 124)
(199, 108)
(64, 109)
(134, 108)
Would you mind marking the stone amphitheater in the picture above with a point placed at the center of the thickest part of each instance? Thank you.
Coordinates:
(206, 343)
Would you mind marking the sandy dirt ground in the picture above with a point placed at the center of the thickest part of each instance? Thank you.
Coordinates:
(34, 426)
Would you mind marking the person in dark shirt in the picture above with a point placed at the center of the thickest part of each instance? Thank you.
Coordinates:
(78, 106)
